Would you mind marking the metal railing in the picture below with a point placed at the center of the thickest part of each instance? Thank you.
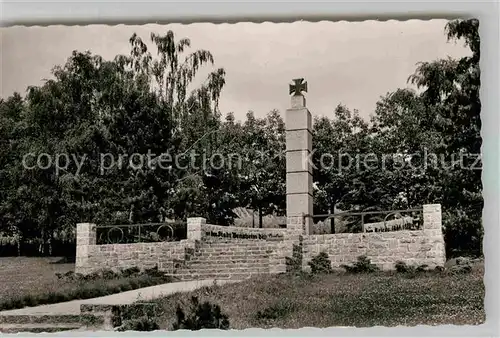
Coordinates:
(376, 221)
(141, 233)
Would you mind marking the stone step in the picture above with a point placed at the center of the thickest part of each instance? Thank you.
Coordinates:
(38, 327)
(225, 276)
(210, 265)
(48, 323)
(228, 260)
(232, 252)
(213, 265)
(236, 255)
(226, 266)
(223, 267)
(222, 270)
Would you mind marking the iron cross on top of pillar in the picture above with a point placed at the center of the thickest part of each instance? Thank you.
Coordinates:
(299, 86)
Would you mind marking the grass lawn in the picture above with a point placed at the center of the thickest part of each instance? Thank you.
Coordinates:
(23, 275)
(362, 300)
(27, 281)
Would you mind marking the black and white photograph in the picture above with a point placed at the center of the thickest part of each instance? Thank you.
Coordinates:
(228, 176)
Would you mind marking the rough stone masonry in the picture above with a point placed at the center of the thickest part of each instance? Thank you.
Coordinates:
(218, 251)
(228, 251)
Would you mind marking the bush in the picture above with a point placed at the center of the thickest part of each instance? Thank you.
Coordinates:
(108, 274)
(201, 316)
(321, 264)
(127, 286)
(463, 232)
(79, 276)
(410, 270)
(134, 284)
(29, 301)
(70, 275)
(136, 317)
(422, 267)
(459, 265)
(17, 303)
(153, 272)
(130, 271)
(363, 265)
(402, 267)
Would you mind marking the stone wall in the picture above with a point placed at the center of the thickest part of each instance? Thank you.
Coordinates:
(384, 249)
(217, 243)
(143, 255)
(226, 250)
(91, 257)
(119, 256)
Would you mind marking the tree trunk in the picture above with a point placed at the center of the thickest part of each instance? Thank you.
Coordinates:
(260, 217)
(41, 246)
(51, 240)
(409, 201)
(332, 219)
(19, 239)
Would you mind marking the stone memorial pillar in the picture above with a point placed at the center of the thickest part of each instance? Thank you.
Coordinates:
(299, 184)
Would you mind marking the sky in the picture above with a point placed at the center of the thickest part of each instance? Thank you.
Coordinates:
(349, 63)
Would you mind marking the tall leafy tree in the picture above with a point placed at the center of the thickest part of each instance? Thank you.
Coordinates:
(132, 104)
(336, 143)
(451, 91)
(263, 164)
(442, 121)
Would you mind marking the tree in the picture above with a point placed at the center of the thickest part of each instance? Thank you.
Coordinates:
(336, 143)
(451, 90)
(444, 122)
(11, 132)
(132, 104)
(402, 127)
(262, 174)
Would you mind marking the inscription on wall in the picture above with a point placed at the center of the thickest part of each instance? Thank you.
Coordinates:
(224, 234)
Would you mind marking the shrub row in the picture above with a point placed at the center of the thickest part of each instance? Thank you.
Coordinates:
(109, 274)
(85, 289)
(322, 264)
